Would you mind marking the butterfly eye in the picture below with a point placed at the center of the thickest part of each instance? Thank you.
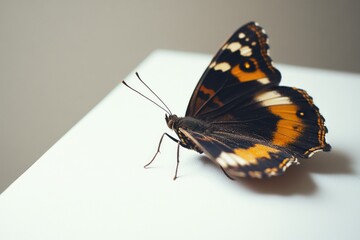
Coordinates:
(248, 66)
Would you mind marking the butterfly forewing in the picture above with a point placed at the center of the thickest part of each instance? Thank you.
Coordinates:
(241, 67)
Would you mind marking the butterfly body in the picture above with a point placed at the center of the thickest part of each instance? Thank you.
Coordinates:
(186, 123)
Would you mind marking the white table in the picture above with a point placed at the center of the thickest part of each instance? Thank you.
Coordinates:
(92, 185)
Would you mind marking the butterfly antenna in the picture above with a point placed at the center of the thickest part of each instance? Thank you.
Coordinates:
(167, 111)
(153, 92)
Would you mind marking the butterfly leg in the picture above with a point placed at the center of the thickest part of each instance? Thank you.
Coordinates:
(177, 160)
(158, 149)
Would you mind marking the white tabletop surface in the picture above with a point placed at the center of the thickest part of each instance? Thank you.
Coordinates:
(92, 185)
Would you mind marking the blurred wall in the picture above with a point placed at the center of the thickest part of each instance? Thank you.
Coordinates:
(59, 58)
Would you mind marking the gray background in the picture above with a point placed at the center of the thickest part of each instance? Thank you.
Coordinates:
(59, 58)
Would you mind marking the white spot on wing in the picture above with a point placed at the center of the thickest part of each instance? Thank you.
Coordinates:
(312, 153)
(272, 98)
(234, 46)
(276, 101)
(263, 81)
(212, 64)
(245, 51)
(226, 158)
(231, 159)
(240, 160)
(271, 173)
(242, 35)
(224, 66)
(289, 163)
(222, 162)
(268, 95)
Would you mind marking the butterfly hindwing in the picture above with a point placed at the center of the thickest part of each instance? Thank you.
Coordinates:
(242, 156)
(284, 116)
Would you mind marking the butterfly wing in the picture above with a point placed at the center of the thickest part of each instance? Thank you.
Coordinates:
(241, 67)
(283, 116)
(240, 155)
(239, 94)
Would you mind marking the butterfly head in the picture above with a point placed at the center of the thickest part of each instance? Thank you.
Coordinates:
(170, 120)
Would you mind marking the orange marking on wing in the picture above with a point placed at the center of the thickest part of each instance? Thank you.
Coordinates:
(206, 90)
(255, 174)
(211, 92)
(271, 172)
(247, 76)
(253, 153)
(218, 102)
(284, 162)
(289, 126)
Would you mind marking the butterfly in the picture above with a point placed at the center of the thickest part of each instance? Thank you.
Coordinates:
(240, 117)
